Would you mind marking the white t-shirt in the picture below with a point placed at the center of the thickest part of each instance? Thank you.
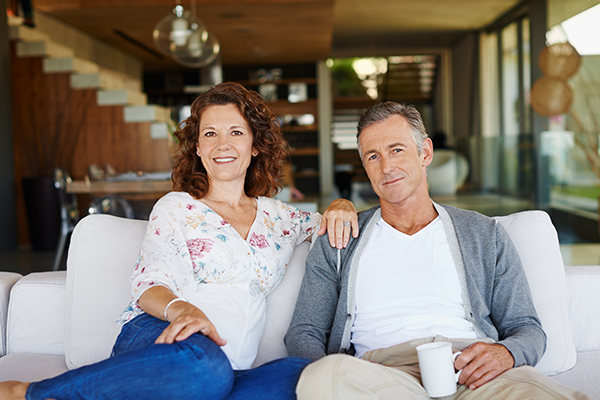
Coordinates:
(191, 250)
(407, 288)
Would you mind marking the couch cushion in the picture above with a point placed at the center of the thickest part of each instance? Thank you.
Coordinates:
(26, 367)
(536, 241)
(102, 254)
(584, 376)
(7, 280)
(280, 307)
(36, 314)
(583, 286)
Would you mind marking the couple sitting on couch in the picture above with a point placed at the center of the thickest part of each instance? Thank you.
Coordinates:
(215, 249)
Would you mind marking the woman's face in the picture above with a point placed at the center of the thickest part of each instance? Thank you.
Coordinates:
(225, 144)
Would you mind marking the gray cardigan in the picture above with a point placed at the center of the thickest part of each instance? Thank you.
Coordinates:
(495, 291)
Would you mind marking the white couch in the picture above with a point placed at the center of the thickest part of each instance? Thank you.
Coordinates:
(54, 321)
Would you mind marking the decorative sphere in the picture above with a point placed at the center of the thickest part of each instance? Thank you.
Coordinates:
(551, 96)
(200, 54)
(559, 60)
(179, 32)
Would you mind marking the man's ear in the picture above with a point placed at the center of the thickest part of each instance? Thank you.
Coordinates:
(427, 152)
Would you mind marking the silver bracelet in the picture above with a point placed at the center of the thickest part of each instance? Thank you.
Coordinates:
(169, 305)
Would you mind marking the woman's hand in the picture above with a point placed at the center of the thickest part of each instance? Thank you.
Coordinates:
(187, 319)
(339, 219)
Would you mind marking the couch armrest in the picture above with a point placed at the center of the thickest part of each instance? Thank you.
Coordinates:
(36, 314)
(583, 287)
(7, 280)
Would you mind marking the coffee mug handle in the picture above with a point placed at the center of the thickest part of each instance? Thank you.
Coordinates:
(453, 360)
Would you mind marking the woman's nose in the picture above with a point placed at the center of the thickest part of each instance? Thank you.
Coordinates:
(223, 142)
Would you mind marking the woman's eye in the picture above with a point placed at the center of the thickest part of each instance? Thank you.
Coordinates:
(209, 134)
(237, 133)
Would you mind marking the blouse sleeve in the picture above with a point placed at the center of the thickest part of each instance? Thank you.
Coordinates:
(164, 257)
(303, 223)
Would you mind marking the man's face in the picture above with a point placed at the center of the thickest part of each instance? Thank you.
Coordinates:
(390, 156)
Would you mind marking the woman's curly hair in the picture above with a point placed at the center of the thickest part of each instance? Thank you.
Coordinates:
(263, 177)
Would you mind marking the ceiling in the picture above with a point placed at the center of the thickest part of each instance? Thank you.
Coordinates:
(273, 32)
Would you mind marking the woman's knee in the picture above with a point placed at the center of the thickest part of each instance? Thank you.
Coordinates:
(201, 368)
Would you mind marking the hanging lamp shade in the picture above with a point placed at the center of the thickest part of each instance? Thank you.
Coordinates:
(198, 54)
(178, 32)
(551, 96)
(559, 60)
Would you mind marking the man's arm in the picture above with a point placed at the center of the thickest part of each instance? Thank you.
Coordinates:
(313, 317)
(521, 338)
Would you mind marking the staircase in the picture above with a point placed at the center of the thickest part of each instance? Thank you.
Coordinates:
(113, 88)
(69, 112)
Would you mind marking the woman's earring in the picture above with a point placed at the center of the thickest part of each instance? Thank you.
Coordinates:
(254, 154)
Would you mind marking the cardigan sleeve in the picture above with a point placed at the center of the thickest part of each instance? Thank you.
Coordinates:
(513, 312)
(316, 306)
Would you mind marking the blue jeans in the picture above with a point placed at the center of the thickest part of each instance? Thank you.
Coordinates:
(195, 368)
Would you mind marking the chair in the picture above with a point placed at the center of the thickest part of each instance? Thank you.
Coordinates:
(69, 211)
(113, 205)
(447, 172)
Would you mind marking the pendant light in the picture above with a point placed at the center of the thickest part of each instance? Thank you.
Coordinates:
(183, 37)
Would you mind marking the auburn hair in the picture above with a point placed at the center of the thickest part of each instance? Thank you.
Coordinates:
(263, 177)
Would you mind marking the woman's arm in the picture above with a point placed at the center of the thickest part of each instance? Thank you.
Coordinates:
(186, 319)
(340, 211)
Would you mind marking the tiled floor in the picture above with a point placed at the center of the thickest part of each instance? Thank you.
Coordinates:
(574, 253)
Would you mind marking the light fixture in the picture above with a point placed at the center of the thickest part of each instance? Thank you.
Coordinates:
(198, 54)
(183, 37)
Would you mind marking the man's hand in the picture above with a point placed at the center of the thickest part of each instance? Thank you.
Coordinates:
(338, 212)
(482, 362)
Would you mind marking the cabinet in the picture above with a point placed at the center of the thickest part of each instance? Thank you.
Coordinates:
(300, 131)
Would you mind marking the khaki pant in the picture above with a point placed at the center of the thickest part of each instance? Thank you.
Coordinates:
(393, 373)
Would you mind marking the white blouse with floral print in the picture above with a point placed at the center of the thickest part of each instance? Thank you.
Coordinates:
(192, 251)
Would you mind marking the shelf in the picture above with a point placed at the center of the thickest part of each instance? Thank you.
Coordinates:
(305, 151)
(306, 174)
(283, 107)
(299, 128)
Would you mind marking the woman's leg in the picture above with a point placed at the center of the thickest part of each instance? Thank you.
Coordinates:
(274, 380)
(193, 368)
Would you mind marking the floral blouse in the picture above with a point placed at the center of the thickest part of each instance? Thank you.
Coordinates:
(191, 250)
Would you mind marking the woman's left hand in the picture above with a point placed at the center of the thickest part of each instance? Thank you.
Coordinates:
(339, 219)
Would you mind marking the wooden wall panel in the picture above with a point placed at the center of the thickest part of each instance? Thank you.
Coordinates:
(54, 125)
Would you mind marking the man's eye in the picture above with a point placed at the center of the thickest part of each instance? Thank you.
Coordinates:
(397, 150)
(372, 157)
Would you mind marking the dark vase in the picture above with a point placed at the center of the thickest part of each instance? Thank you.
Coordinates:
(43, 212)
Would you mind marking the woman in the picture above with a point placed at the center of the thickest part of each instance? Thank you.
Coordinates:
(213, 250)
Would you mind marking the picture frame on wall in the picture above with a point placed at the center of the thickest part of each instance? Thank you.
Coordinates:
(268, 91)
(297, 92)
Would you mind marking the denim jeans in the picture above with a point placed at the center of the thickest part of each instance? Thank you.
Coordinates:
(195, 368)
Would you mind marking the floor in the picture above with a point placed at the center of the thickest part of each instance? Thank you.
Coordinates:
(575, 249)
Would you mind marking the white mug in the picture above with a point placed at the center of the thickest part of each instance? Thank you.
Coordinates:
(436, 363)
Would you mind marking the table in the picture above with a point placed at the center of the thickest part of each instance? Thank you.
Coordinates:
(120, 187)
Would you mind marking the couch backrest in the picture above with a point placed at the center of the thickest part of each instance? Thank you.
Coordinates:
(101, 257)
(536, 241)
(105, 248)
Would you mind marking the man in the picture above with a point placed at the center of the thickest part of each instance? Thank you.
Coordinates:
(419, 272)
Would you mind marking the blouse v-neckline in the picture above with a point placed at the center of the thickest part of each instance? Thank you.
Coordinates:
(258, 203)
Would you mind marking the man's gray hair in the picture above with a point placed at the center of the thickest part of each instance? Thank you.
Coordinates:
(382, 111)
